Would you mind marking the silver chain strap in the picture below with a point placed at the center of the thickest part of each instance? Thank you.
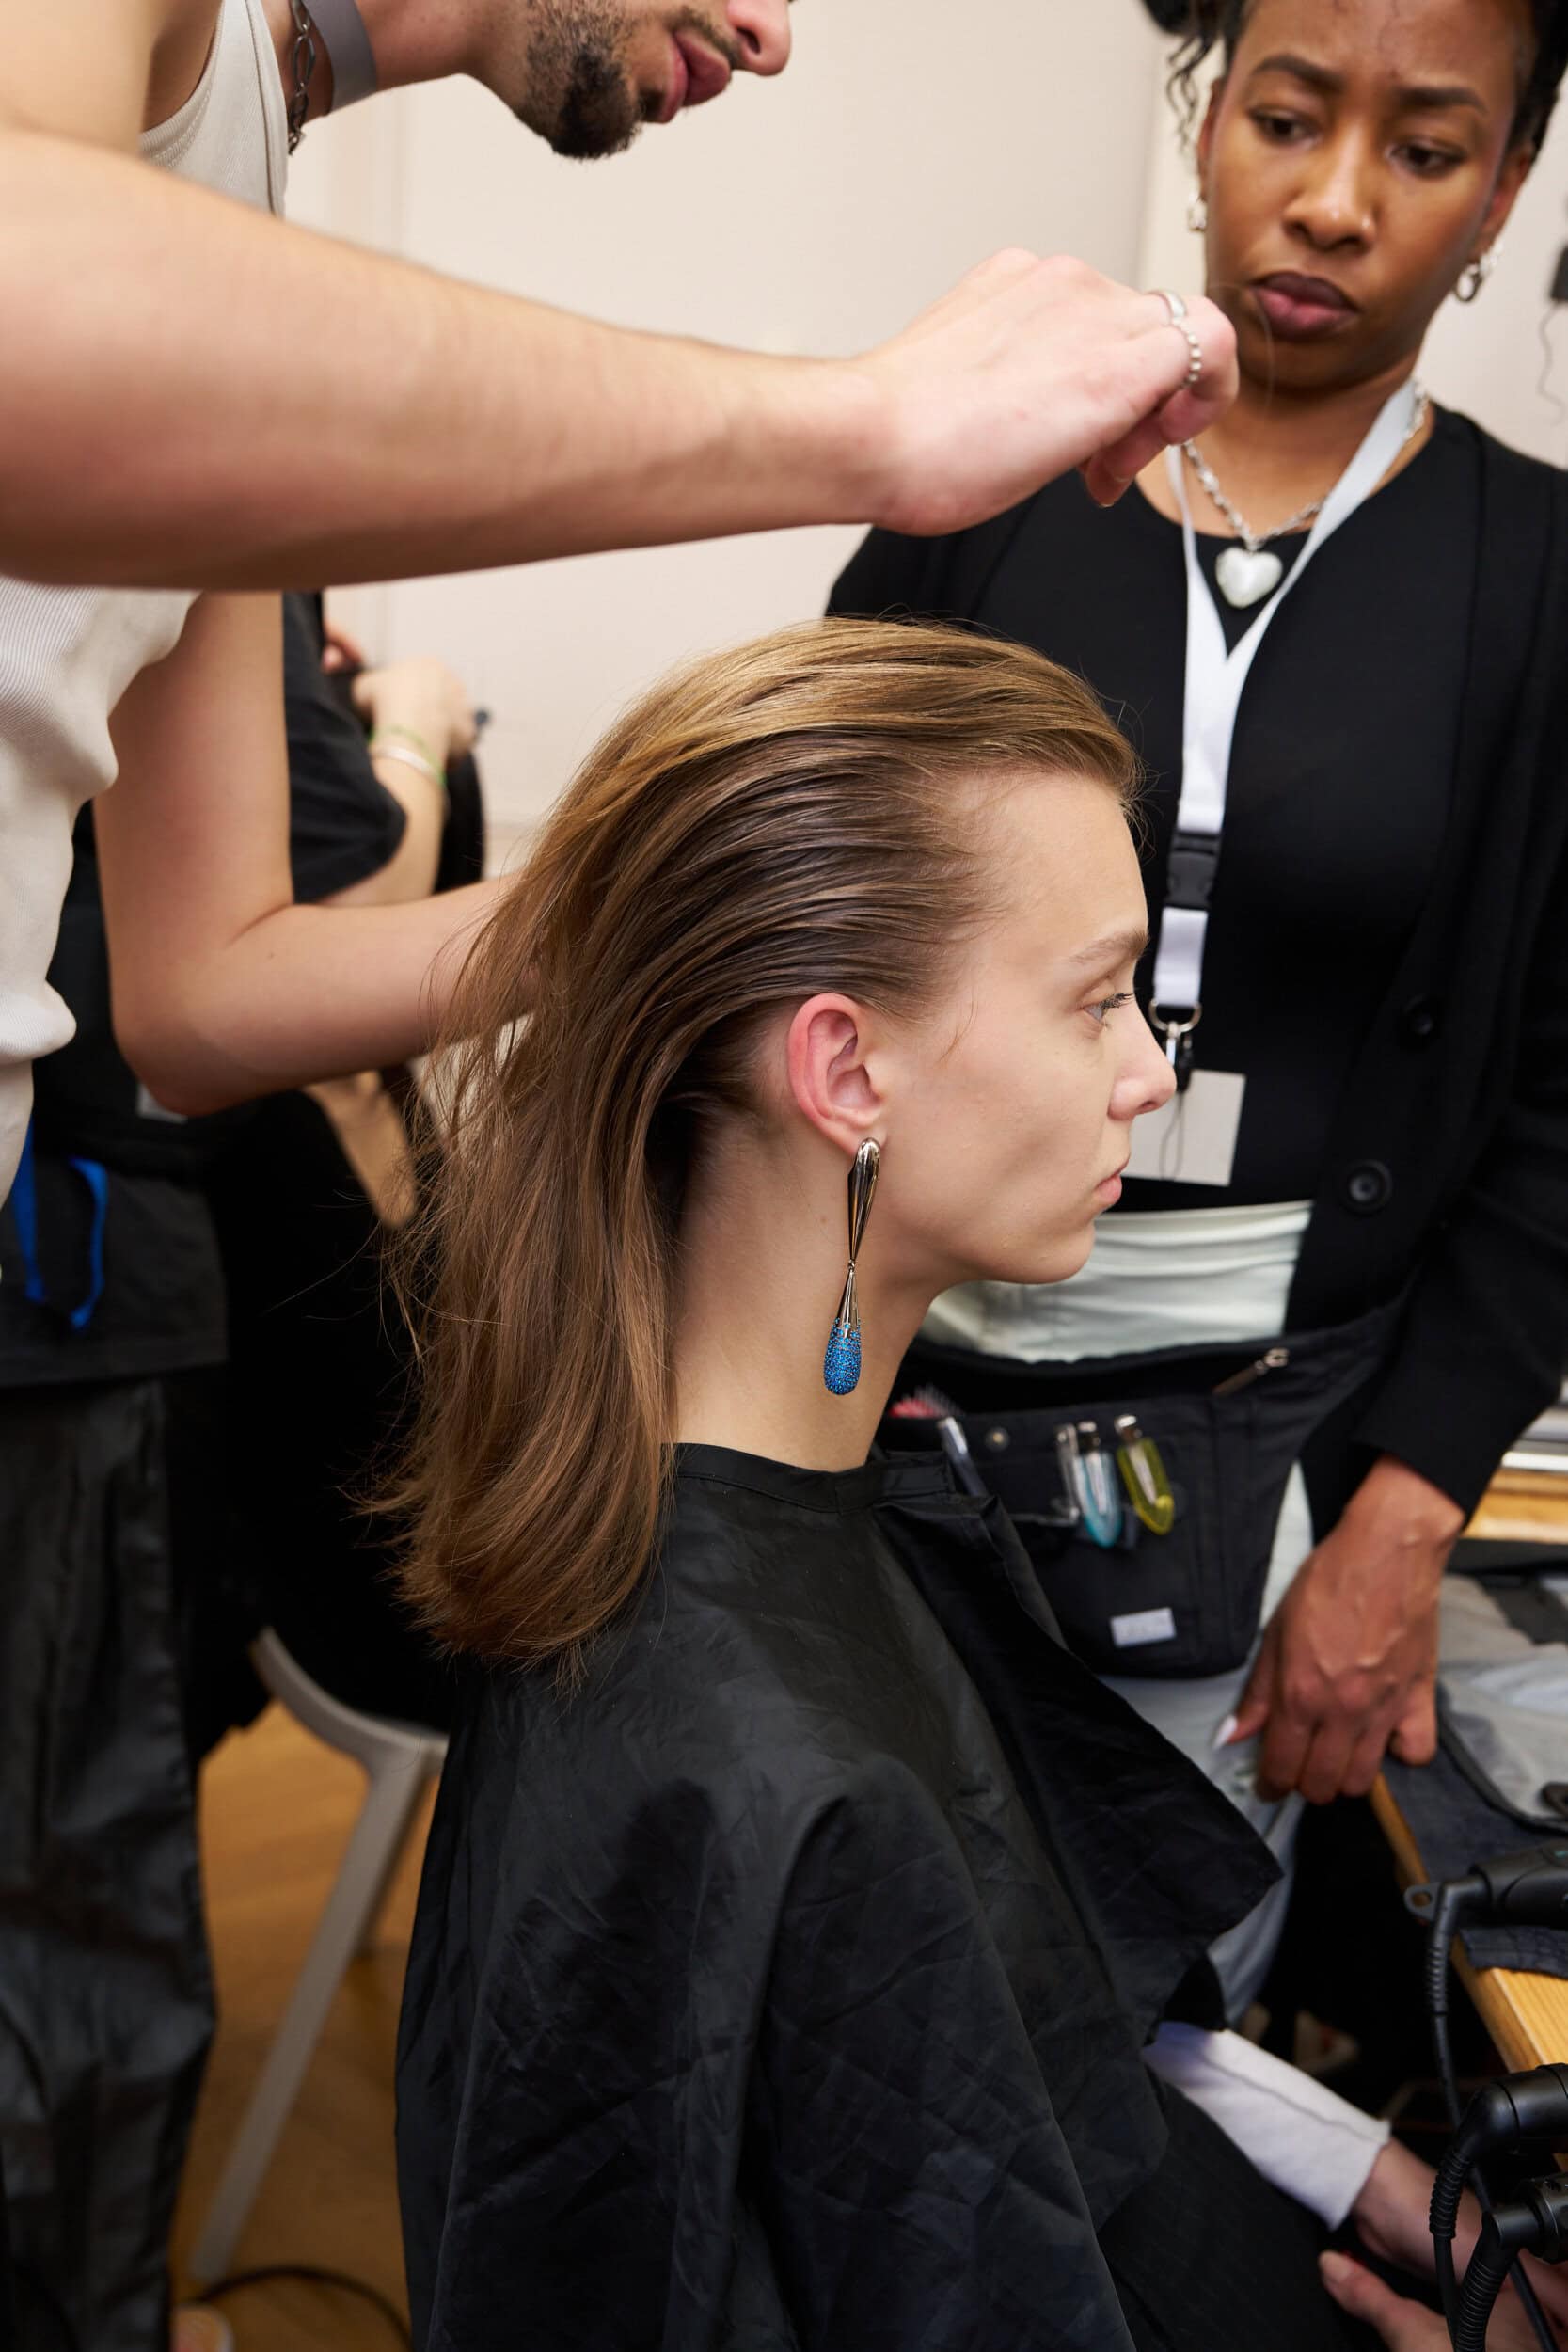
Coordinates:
(304, 65)
(1252, 540)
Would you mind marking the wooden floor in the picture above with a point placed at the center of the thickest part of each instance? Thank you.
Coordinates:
(277, 1810)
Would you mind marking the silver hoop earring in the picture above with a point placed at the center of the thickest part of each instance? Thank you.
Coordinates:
(1474, 276)
(1198, 212)
(841, 1366)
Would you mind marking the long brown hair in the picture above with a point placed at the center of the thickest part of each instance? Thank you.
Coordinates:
(771, 822)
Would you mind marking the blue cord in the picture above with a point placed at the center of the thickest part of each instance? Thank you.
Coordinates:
(24, 1208)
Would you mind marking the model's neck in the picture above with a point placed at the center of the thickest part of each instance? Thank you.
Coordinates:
(763, 1253)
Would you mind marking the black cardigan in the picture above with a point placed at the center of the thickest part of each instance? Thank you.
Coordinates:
(1447, 1167)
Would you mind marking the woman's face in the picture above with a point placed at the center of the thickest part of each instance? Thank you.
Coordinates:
(1009, 1106)
(1354, 159)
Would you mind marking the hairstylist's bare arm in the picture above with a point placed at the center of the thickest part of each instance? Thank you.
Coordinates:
(205, 396)
(223, 988)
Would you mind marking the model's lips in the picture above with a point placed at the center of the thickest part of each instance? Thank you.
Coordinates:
(707, 75)
(1299, 308)
(1109, 1187)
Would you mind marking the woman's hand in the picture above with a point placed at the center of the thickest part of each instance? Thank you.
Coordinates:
(1349, 1662)
(1391, 2218)
(1409, 2327)
(340, 651)
(424, 697)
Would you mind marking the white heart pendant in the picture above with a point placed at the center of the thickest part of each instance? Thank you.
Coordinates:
(1245, 576)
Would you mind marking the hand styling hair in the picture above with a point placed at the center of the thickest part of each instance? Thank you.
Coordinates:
(784, 818)
(1209, 24)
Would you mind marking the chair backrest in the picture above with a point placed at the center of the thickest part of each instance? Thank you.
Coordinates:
(376, 1742)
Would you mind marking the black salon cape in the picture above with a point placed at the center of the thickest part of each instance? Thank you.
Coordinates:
(784, 1986)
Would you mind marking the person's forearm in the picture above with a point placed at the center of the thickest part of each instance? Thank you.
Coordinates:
(285, 408)
(1300, 2135)
(306, 993)
(410, 872)
(1397, 1502)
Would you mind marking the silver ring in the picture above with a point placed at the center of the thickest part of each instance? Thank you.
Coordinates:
(1178, 310)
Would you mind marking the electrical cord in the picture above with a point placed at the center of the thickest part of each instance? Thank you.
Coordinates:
(1483, 2283)
(1529, 1886)
(316, 2276)
(1538, 2218)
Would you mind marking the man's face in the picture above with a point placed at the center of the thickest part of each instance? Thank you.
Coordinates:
(590, 73)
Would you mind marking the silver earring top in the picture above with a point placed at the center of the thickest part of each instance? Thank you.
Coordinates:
(863, 1171)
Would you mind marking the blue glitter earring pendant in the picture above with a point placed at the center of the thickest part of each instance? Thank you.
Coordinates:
(841, 1366)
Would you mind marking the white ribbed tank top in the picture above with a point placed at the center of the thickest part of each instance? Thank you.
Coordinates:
(67, 655)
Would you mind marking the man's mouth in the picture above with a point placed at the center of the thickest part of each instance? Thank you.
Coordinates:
(697, 75)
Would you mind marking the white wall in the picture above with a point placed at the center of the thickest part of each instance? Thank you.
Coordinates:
(908, 139)
(1503, 359)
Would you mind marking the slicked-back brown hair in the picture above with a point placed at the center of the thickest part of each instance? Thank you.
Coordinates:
(790, 817)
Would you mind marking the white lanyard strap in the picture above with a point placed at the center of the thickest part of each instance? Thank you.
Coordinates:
(1215, 679)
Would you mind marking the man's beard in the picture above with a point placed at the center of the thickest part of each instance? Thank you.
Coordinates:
(581, 96)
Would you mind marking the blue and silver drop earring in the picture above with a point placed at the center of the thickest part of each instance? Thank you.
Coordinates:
(841, 1366)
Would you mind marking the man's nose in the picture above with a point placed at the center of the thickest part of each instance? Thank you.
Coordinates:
(762, 29)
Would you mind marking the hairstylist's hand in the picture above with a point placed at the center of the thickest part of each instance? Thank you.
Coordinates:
(423, 696)
(1348, 1666)
(1027, 369)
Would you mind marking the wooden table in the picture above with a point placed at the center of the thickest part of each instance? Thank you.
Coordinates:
(1524, 1507)
(1527, 2016)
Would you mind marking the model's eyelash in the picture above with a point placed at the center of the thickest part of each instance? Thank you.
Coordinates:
(1108, 1005)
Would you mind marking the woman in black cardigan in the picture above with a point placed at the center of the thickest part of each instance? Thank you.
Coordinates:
(1385, 963)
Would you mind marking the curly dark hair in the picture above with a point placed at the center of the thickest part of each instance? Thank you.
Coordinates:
(1206, 23)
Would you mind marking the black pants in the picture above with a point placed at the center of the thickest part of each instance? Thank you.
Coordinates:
(105, 1991)
(1210, 2257)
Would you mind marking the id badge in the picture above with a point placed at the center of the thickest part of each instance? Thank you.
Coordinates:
(1191, 1139)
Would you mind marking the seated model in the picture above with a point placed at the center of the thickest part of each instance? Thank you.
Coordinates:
(798, 1909)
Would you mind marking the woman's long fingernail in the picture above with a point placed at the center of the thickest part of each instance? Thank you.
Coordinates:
(1225, 1735)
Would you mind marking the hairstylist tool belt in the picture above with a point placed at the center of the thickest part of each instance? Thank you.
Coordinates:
(1192, 1141)
(1227, 1424)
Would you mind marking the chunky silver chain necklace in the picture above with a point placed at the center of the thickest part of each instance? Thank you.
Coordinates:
(304, 65)
(1247, 572)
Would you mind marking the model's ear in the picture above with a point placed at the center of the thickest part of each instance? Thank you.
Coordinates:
(832, 1069)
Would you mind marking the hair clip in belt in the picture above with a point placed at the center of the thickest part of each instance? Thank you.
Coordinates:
(1143, 1474)
(1086, 1468)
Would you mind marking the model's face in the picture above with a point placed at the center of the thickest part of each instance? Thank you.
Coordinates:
(587, 74)
(1354, 160)
(1010, 1105)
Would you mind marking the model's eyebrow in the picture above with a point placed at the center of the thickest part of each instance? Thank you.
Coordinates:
(1421, 98)
(1110, 953)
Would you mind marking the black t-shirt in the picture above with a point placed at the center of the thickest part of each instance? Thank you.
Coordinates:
(1342, 770)
(162, 1306)
(343, 823)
